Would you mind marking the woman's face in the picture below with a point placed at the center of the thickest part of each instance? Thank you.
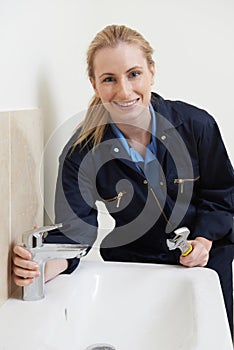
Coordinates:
(123, 80)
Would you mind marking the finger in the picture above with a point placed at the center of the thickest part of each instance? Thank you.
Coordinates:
(190, 259)
(196, 258)
(186, 263)
(23, 282)
(25, 264)
(22, 252)
(191, 263)
(18, 271)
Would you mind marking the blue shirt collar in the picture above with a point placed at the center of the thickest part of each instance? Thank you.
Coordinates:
(151, 148)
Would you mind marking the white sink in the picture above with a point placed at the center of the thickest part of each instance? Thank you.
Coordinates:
(129, 306)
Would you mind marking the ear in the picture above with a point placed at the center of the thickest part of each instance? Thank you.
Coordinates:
(152, 71)
(92, 80)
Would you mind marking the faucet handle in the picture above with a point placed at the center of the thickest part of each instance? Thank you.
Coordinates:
(34, 237)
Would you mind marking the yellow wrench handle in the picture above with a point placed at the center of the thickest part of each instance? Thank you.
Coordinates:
(188, 251)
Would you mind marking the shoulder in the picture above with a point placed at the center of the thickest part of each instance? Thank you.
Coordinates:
(74, 152)
(190, 112)
(185, 112)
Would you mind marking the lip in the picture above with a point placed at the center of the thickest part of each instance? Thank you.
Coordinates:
(126, 104)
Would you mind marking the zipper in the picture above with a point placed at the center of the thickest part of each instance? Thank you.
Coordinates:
(160, 207)
(182, 181)
(118, 198)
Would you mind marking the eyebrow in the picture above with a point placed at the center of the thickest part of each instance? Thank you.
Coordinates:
(111, 74)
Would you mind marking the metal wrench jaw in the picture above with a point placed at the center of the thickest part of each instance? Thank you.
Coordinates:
(180, 241)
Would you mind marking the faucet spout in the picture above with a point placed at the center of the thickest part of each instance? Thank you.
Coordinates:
(34, 238)
(41, 253)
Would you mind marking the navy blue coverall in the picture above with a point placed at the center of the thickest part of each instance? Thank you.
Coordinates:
(195, 189)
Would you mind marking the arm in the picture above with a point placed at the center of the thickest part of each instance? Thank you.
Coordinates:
(75, 204)
(75, 208)
(215, 193)
(215, 196)
(75, 200)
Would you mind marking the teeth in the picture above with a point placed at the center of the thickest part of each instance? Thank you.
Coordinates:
(126, 104)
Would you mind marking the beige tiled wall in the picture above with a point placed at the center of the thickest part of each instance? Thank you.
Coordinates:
(21, 184)
(5, 203)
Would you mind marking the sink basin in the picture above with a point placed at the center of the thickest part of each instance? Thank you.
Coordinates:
(128, 306)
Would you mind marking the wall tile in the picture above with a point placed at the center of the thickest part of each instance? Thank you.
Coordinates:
(4, 203)
(21, 184)
(26, 166)
(26, 172)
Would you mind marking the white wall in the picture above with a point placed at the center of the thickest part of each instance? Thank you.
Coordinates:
(43, 46)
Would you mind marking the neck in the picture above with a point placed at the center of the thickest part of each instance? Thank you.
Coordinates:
(139, 130)
(138, 136)
(135, 134)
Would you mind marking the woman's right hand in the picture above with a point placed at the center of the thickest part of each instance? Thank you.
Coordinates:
(24, 269)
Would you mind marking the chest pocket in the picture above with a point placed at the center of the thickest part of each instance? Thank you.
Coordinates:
(119, 200)
(116, 200)
(182, 184)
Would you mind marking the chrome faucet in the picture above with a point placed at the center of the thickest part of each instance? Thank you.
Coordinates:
(41, 253)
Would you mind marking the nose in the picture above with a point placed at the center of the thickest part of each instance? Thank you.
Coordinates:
(124, 89)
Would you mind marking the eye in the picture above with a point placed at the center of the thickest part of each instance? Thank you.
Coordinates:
(134, 74)
(108, 80)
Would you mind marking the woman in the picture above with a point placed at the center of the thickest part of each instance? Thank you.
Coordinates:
(156, 164)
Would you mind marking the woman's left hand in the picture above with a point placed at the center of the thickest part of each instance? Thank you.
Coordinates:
(199, 255)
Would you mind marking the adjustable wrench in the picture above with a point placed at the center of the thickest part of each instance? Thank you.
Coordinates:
(180, 241)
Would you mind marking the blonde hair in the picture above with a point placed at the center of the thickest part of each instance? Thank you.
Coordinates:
(94, 124)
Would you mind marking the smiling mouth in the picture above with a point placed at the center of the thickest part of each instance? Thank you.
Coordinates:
(126, 104)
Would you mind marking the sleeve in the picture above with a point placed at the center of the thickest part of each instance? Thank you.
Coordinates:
(215, 193)
(74, 204)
